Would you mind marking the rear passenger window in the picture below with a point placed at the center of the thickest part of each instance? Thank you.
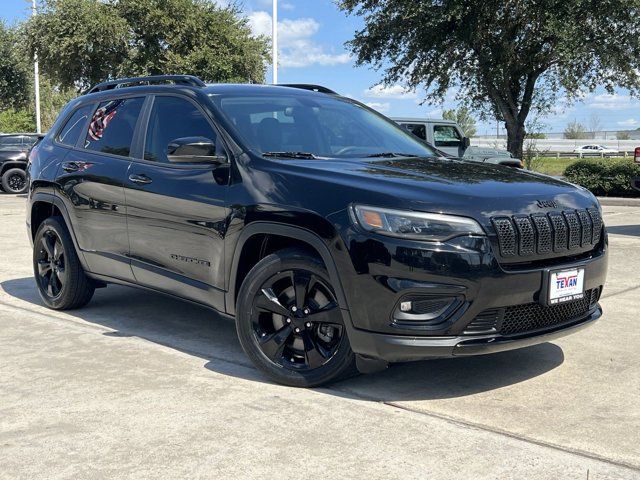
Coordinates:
(112, 125)
(70, 133)
(11, 140)
(172, 118)
(418, 129)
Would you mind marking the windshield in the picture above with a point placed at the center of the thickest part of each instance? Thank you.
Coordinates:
(306, 127)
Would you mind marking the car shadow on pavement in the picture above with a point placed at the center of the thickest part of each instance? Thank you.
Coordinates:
(198, 331)
(629, 230)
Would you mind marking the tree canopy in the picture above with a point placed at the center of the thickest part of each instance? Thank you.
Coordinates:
(14, 71)
(83, 42)
(507, 58)
(462, 116)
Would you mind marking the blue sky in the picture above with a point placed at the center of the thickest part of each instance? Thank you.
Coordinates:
(312, 35)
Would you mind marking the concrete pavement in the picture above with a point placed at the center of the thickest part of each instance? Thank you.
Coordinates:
(138, 385)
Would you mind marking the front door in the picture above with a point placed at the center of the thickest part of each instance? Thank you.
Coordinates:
(176, 211)
(448, 139)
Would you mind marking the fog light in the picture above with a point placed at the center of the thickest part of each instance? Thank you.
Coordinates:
(405, 306)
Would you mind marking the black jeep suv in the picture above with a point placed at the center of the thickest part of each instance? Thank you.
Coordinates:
(336, 239)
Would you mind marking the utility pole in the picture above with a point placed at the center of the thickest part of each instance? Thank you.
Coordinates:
(274, 41)
(36, 75)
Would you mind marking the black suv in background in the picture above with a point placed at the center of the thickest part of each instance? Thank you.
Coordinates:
(336, 239)
(14, 149)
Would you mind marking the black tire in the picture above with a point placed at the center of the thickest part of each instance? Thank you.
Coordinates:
(295, 346)
(61, 281)
(14, 180)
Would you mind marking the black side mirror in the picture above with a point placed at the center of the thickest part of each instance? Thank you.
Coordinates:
(193, 150)
(466, 142)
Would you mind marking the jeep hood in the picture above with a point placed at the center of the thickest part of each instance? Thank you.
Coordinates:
(442, 185)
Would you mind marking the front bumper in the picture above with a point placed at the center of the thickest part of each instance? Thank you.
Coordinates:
(388, 271)
(402, 348)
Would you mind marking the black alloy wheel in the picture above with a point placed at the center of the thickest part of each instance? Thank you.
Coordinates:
(290, 323)
(51, 264)
(61, 280)
(296, 320)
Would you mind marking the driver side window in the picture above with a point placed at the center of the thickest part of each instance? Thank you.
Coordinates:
(446, 136)
(173, 118)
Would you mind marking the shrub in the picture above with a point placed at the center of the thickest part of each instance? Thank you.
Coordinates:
(605, 178)
(12, 121)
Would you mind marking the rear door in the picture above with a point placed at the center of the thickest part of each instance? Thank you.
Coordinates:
(418, 129)
(177, 211)
(91, 179)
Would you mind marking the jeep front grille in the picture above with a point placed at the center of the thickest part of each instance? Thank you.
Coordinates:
(545, 235)
(531, 316)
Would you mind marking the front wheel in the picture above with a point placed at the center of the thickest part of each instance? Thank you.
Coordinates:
(14, 180)
(289, 322)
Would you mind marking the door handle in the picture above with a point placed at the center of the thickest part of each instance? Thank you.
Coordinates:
(71, 167)
(141, 179)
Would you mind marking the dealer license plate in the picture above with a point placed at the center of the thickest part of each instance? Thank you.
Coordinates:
(566, 286)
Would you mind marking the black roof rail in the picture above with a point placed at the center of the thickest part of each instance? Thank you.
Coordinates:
(308, 86)
(190, 80)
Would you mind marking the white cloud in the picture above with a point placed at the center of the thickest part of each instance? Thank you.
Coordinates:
(607, 101)
(268, 4)
(630, 122)
(390, 91)
(295, 46)
(381, 107)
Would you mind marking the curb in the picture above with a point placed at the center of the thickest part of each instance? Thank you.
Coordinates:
(619, 202)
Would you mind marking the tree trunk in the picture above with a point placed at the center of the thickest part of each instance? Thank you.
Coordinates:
(515, 138)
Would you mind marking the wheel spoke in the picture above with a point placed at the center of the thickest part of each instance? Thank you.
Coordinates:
(329, 314)
(273, 345)
(313, 354)
(49, 286)
(49, 245)
(302, 284)
(55, 283)
(44, 266)
(57, 250)
(269, 302)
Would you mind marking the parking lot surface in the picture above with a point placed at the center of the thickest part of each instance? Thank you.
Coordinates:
(137, 385)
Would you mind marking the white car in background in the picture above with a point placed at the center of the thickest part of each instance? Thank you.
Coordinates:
(595, 149)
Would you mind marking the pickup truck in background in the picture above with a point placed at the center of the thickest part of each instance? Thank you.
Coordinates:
(14, 150)
(447, 136)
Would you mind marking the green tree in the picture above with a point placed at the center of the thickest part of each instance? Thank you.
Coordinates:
(83, 42)
(462, 116)
(191, 36)
(14, 71)
(79, 42)
(575, 131)
(14, 121)
(623, 135)
(508, 57)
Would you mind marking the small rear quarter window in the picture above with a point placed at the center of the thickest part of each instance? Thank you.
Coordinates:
(69, 134)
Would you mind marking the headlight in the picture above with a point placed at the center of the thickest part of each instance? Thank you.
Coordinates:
(416, 225)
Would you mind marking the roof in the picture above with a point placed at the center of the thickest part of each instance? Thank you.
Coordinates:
(258, 89)
(423, 120)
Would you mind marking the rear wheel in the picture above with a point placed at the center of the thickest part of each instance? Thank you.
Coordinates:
(289, 322)
(14, 180)
(61, 281)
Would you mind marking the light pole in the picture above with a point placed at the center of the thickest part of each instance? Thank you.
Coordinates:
(36, 75)
(274, 41)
